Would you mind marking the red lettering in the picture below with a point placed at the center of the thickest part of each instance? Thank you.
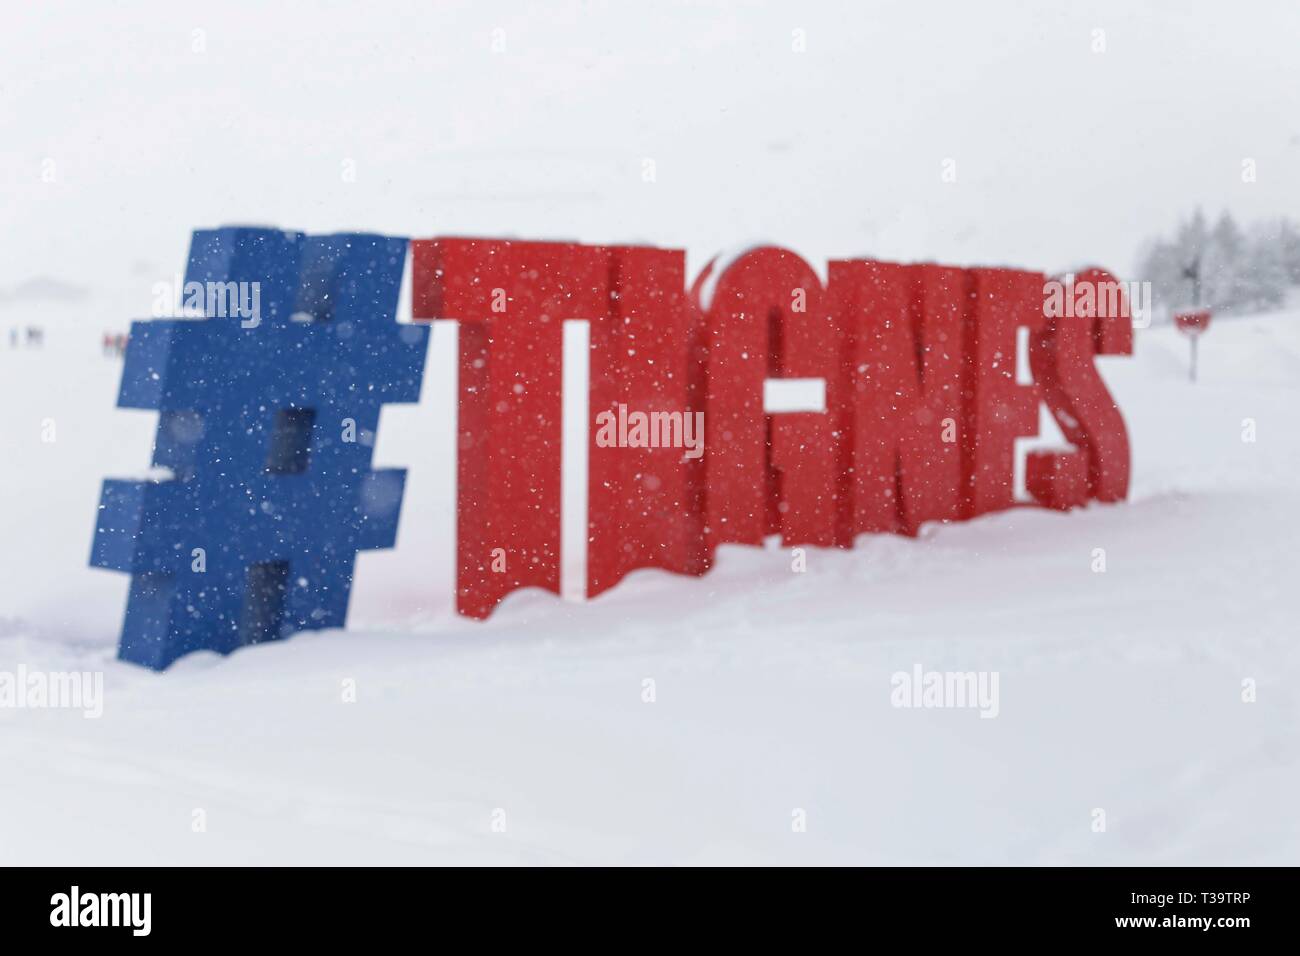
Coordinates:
(1062, 358)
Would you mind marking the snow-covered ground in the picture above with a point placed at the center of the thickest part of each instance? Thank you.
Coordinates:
(527, 739)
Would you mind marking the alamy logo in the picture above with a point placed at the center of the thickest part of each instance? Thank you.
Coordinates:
(209, 300)
(626, 429)
(25, 689)
(945, 689)
(102, 909)
(1098, 300)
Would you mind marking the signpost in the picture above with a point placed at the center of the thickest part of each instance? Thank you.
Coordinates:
(1193, 324)
(1195, 321)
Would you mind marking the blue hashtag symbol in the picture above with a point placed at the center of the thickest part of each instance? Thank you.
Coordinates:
(268, 407)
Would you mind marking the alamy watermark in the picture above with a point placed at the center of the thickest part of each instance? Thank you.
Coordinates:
(922, 689)
(1097, 300)
(25, 689)
(209, 300)
(624, 429)
(129, 910)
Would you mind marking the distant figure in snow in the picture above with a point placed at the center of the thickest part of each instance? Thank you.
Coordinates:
(114, 344)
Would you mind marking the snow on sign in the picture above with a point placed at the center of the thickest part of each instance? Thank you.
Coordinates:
(1193, 324)
(261, 415)
(267, 419)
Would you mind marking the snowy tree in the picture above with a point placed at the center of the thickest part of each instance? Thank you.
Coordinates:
(1239, 271)
(1222, 265)
(1266, 274)
(1288, 246)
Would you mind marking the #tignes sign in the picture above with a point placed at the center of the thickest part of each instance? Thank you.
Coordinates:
(269, 402)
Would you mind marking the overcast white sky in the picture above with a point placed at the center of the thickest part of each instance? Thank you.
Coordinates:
(1063, 155)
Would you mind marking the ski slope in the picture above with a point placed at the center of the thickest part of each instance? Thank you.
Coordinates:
(527, 739)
